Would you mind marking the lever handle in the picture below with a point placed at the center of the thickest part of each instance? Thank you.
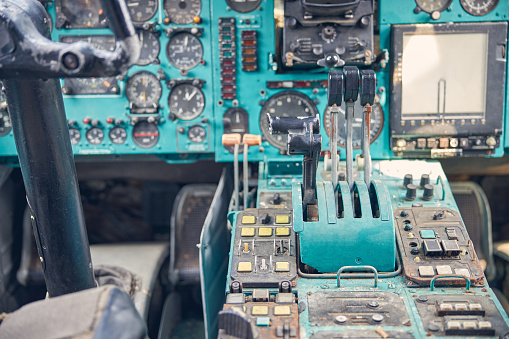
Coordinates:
(31, 54)
(368, 87)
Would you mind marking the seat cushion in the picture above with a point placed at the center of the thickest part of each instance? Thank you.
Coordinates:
(103, 312)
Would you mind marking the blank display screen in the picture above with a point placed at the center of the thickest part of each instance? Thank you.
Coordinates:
(444, 76)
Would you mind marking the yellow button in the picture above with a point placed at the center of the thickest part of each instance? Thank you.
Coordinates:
(244, 266)
(247, 232)
(283, 266)
(282, 310)
(260, 310)
(248, 219)
(282, 231)
(282, 219)
(265, 231)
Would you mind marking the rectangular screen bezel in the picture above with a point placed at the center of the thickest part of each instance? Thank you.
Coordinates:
(495, 82)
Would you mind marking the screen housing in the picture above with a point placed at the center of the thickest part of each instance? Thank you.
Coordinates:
(492, 121)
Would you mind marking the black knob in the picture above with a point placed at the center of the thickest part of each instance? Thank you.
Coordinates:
(265, 219)
(408, 227)
(276, 199)
(428, 192)
(414, 251)
(408, 180)
(411, 192)
(424, 180)
(404, 213)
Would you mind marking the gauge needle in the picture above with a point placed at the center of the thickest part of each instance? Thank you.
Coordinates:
(133, 4)
(188, 98)
(144, 96)
(186, 40)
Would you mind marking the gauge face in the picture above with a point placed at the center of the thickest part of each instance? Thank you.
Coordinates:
(75, 135)
(236, 120)
(430, 6)
(95, 135)
(150, 47)
(82, 13)
(141, 10)
(197, 134)
(186, 101)
(104, 42)
(77, 86)
(376, 124)
(243, 6)
(118, 135)
(143, 89)
(479, 7)
(145, 134)
(182, 12)
(285, 104)
(184, 51)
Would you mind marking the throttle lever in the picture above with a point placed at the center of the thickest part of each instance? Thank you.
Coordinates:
(367, 97)
(26, 50)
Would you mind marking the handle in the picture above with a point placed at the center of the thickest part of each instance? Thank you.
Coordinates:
(432, 283)
(32, 54)
(357, 268)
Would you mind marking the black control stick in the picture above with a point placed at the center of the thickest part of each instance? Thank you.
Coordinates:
(30, 65)
(303, 139)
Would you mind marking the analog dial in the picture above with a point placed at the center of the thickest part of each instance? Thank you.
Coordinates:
(118, 135)
(197, 134)
(186, 101)
(430, 6)
(150, 47)
(95, 135)
(143, 89)
(376, 125)
(82, 13)
(75, 135)
(182, 12)
(184, 51)
(285, 104)
(479, 7)
(142, 10)
(145, 134)
(243, 6)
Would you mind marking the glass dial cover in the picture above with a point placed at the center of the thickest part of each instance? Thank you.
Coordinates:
(141, 10)
(150, 47)
(184, 50)
(82, 13)
(243, 6)
(143, 89)
(479, 7)
(197, 134)
(430, 6)
(186, 101)
(75, 135)
(145, 134)
(118, 135)
(182, 12)
(95, 135)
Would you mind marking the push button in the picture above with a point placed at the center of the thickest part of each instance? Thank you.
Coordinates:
(282, 231)
(265, 232)
(282, 310)
(282, 219)
(248, 219)
(282, 266)
(260, 310)
(247, 232)
(245, 266)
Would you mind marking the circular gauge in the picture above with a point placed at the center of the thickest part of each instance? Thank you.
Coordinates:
(430, 6)
(95, 135)
(182, 12)
(75, 135)
(376, 124)
(141, 10)
(145, 134)
(243, 6)
(197, 134)
(83, 13)
(184, 51)
(118, 135)
(150, 47)
(143, 89)
(285, 104)
(186, 101)
(479, 7)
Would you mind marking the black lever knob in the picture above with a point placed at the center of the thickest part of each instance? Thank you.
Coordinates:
(411, 192)
(428, 192)
(335, 88)
(351, 74)
(368, 87)
(424, 180)
(408, 179)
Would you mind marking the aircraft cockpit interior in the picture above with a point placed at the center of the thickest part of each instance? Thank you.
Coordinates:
(250, 169)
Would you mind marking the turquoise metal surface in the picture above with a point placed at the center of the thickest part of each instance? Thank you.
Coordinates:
(351, 240)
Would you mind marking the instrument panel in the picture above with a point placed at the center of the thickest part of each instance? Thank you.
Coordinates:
(209, 67)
